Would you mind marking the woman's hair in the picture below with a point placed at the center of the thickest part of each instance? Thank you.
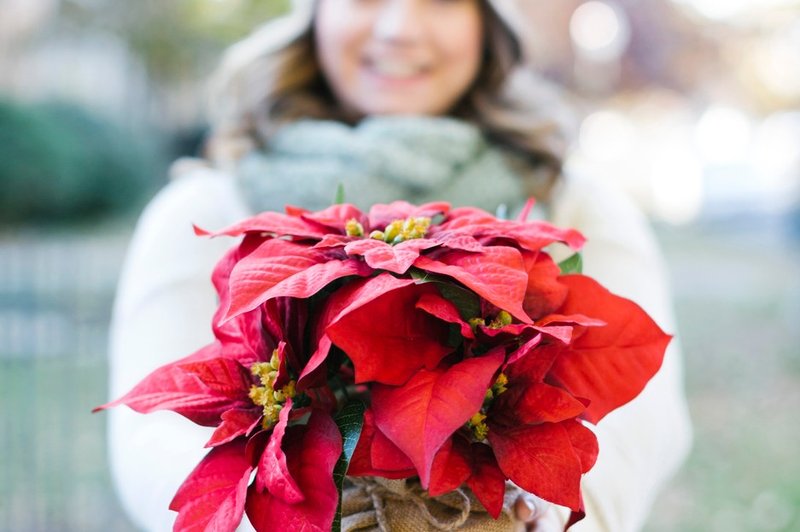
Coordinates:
(273, 77)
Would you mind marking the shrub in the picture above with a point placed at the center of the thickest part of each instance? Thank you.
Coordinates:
(60, 163)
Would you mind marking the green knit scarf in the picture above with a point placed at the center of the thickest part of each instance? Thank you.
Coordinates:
(381, 159)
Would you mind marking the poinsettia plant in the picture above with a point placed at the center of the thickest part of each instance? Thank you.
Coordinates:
(409, 341)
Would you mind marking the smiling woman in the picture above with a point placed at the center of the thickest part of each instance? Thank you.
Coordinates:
(418, 100)
(346, 60)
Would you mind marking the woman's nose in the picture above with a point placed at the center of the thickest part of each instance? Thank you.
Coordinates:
(399, 21)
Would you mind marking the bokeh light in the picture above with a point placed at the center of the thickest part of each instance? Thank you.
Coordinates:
(676, 180)
(599, 30)
(607, 136)
(777, 62)
(723, 135)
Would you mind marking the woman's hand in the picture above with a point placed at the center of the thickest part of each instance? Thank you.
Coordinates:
(536, 515)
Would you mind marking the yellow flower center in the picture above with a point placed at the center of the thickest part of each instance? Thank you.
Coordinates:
(502, 319)
(499, 385)
(402, 230)
(474, 323)
(266, 395)
(354, 228)
(477, 423)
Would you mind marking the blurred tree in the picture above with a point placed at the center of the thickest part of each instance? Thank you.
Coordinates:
(61, 163)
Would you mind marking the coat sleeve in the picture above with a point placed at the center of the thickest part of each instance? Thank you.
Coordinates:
(643, 443)
(163, 309)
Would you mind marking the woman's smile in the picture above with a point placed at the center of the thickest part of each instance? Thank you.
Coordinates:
(394, 69)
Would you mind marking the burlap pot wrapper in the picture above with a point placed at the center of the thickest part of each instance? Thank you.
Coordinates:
(378, 504)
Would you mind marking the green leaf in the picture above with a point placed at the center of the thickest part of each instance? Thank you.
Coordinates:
(572, 264)
(339, 198)
(350, 421)
(421, 276)
(467, 303)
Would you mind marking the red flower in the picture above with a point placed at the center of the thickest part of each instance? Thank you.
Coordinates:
(420, 416)
(481, 361)
(299, 494)
(251, 408)
(302, 252)
(311, 453)
(383, 332)
(527, 428)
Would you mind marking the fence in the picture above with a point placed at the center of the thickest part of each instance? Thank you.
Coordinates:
(56, 292)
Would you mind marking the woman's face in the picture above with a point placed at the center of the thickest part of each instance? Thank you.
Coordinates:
(399, 56)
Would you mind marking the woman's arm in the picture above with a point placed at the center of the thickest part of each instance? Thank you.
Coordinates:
(644, 442)
(163, 311)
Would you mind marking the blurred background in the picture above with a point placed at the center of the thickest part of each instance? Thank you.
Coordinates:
(692, 105)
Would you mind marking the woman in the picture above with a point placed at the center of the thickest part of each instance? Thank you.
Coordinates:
(411, 99)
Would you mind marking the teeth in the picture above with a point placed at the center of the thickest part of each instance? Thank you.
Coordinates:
(396, 69)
